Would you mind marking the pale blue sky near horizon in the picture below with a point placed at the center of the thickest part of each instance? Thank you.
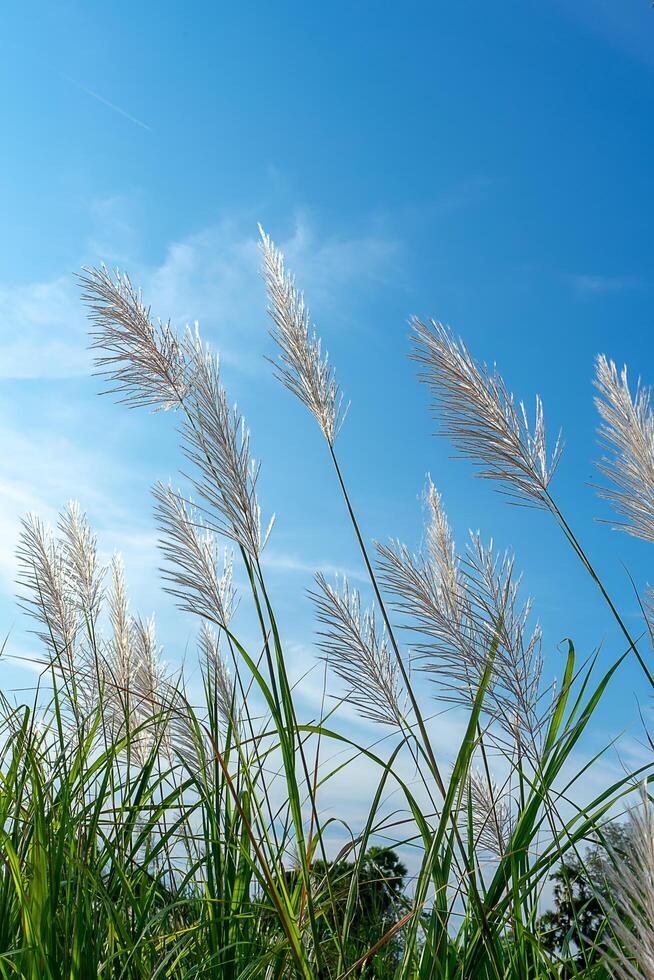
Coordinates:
(488, 165)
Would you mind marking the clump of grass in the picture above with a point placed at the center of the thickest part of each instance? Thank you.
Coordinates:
(146, 835)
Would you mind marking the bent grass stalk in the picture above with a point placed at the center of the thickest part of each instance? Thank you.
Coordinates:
(477, 412)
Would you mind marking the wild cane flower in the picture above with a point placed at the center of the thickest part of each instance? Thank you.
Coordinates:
(217, 442)
(147, 363)
(46, 596)
(137, 689)
(442, 550)
(627, 430)
(194, 573)
(201, 584)
(632, 890)
(63, 590)
(479, 414)
(464, 608)
(149, 685)
(492, 813)
(80, 553)
(222, 684)
(119, 707)
(302, 368)
(359, 653)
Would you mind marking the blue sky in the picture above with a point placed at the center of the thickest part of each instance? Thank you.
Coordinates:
(488, 165)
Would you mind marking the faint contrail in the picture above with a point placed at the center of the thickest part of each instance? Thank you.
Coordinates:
(106, 102)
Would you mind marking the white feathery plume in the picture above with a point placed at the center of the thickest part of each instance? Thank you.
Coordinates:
(149, 364)
(632, 891)
(136, 687)
(478, 413)
(499, 613)
(464, 610)
(627, 431)
(120, 706)
(63, 590)
(492, 813)
(426, 585)
(80, 552)
(143, 360)
(218, 443)
(183, 737)
(359, 654)
(50, 595)
(202, 584)
(302, 368)
(149, 685)
(42, 571)
(119, 618)
(149, 676)
(138, 691)
(442, 551)
(221, 683)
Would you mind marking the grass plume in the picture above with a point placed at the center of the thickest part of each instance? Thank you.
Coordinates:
(479, 414)
(302, 367)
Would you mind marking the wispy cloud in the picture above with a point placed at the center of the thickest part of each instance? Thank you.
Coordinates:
(42, 330)
(211, 275)
(294, 564)
(595, 285)
(115, 237)
(627, 27)
(42, 468)
(106, 102)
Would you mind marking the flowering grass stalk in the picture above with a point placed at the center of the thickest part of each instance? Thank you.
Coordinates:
(145, 835)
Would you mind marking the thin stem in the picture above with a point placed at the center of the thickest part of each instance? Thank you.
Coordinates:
(416, 708)
(382, 608)
(581, 554)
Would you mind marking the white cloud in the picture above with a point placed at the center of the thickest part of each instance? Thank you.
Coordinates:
(42, 330)
(42, 469)
(211, 276)
(115, 238)
(294, 564)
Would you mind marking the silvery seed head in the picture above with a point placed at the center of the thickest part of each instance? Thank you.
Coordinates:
(476, 410)
(631, 912)
(359, 653)
(627, 432)
(301, 367)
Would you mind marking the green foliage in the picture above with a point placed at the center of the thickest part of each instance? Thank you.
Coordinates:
(573, 930)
